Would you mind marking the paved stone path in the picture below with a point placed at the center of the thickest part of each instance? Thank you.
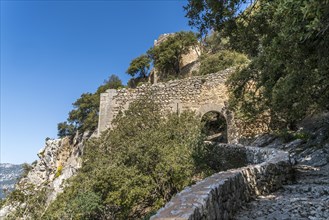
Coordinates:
(307, 198)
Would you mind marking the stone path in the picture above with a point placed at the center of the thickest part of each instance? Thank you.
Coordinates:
(307, 198)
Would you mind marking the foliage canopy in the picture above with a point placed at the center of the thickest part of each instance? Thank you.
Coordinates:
(167, 55)
(223, 59)
(135, 168)
(139, 65)
(287, 77)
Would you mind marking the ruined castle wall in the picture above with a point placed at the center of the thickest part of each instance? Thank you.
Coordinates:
(200, 94)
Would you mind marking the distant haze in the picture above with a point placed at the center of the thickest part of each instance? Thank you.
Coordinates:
(9, 173)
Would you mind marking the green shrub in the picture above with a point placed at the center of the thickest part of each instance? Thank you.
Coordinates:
(134, 82)
(34, 202)
(288, 135)
(212, 63)
(34, 163)
(301, 135)
(140, 83)
(2, 202)
(211, 158)
(134, 169)
(26, 169)
(58, 171)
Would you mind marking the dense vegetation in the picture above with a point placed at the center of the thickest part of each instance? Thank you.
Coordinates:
(287, 42)
(32, 202)
(133, 169)
(165, 57)
(221, 60)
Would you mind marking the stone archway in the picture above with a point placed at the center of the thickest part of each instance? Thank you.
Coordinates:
(211, 107)
(215, 126)
(222, 109)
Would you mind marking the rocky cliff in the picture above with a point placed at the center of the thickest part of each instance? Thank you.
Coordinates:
(58, 160)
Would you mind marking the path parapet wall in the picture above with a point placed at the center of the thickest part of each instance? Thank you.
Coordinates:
(222, 194)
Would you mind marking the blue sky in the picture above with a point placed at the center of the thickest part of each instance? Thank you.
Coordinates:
(53, 51)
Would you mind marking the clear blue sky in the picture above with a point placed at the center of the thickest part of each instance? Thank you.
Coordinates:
(53, 51)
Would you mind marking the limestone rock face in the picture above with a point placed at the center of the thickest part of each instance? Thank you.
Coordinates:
(58, 160)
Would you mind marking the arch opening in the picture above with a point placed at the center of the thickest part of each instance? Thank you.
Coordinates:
(214, 126)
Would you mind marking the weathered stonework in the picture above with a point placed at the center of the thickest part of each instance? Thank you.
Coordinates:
(200, 94)
(221, 195)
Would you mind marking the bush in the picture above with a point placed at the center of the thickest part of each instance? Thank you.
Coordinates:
(212, 63)
(213, 157)
(32, 202)
(288, 135)
(167, 55)
(135, 168)
(58, 171)
(2, 202)
(26, 169)
(134, 82)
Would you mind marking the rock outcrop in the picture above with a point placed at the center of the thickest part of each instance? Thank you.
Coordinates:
(58, 160)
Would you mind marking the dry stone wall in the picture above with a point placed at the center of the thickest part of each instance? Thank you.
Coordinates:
(221, 195)
(200, 94)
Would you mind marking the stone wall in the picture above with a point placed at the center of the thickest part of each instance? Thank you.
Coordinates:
(222, 194)
(200, 94)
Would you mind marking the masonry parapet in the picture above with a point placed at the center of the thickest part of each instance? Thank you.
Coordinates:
(222, 194)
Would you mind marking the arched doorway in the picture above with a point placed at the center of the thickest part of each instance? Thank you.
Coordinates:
(214, 126)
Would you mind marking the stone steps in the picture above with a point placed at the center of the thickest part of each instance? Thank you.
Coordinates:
(307, 198)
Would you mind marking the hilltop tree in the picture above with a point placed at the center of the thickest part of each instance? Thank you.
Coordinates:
(65, 129)
(167, 56)
(84, 116)
(113, 82)
(139, 65)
